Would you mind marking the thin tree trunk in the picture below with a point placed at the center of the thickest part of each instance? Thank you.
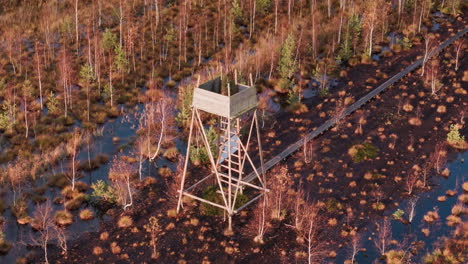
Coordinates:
(160, 135)
(39, 76)
(76, 27)
(370, 40)
(140, 165)
(127, 179)
(458, 54)
(44, 245)
(121, 23)
(26, 117)
(276, 16)
(73, 170)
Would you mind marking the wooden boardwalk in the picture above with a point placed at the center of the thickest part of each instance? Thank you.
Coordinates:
(349, 110)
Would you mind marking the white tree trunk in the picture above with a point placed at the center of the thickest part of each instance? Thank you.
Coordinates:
(161, 135)
(129, 189)
(39, 78)
(76, 27)
(26, 117)
(73, 171)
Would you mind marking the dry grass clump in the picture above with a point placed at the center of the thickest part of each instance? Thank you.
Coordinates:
(453, 220)
(76, 202)
(115, 248)
(63, 218)
(86, 214)
(408, 107)
(165, 172)
(298, 108)
(332, 222)
(125, 221)
(379, 206)
(450, 193)
(431, 216)
(171, 213)
(5, 246)
(465, 186)
(104, 236)
(57, 180)
(425, 231)
(463, 198)
(68, 193)
(171, 154)
(414, 121)
(97, 250)
(460, 91)
(458, 209)
(441, 109)
(373, 176)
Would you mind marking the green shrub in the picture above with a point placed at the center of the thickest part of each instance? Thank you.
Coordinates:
(324, 92)
(398, 214)
(102, 192)
(454, 137)
(183, 116)
(287, 65)
(363, 152)
(199, 155)
(212, 195)
(241, 200)
(405, 42)
(332, 205)
(396, 257)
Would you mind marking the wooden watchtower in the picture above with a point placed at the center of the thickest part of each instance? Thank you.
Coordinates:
(232, 107)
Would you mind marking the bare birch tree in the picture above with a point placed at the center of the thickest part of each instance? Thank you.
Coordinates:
(310, 232)
(44, 223)
(355, 247)
(412, 208)
(72, 150)
(459, 47)
(39, 66)
(121, 173)
(384, 235)
(160, 118)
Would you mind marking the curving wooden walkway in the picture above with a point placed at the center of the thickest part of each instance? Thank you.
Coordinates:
(349, 110)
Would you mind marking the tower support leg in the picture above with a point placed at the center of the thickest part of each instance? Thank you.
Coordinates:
(187, 157)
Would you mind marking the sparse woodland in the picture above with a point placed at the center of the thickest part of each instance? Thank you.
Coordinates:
(95, 106)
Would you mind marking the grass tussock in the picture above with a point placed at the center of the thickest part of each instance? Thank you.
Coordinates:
(125, 221)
